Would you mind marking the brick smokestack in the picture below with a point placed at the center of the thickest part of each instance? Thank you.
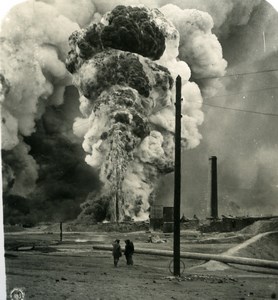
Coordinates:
(213, 188)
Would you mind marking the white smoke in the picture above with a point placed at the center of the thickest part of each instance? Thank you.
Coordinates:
(226, 15)
(33, 48)
(69, 9)
(35, 45)
(157, 147)
(198, 47)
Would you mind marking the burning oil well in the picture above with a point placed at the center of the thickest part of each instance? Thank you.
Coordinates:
(124, 67)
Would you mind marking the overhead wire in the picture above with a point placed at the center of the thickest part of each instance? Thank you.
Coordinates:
(228, 95)
(243, 92)
(242, 110)
(237, 74)
(238, 109)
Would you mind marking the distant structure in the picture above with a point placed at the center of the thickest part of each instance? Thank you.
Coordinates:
(168, 219)
(213, 213)
(156, 217)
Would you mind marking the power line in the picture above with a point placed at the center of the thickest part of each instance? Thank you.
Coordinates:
(212, 105)
(217, 96)
(243, 92)
(238, 109)
(207, 104)
(242, 110)
(237, 74)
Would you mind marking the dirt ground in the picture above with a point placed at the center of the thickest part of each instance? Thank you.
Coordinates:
(74, 270)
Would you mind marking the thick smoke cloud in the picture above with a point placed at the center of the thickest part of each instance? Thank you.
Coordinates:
(125, 96)
(31, 62)
(226, 15)
(64, 179)
(131, 30)
(198, 46)
(69, 9)
(38, 112)
(34, 45)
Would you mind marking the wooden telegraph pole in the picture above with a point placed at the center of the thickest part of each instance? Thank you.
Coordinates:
(177, 190)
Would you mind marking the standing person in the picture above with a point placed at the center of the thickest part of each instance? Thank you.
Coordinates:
(129, 250)
(117, 252)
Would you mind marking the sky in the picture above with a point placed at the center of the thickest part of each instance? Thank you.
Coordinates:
(47, 172)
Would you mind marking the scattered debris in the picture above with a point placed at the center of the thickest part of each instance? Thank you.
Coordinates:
(156, 239)
(199, 277)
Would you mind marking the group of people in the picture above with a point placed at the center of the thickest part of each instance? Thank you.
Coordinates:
(128, 252)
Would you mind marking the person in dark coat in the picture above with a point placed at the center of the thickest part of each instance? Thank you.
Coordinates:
(129, 250)
(117, 252)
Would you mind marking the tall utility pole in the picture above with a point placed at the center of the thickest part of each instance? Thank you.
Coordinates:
(177, 190)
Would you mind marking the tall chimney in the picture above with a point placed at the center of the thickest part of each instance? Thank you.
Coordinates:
(213, 188)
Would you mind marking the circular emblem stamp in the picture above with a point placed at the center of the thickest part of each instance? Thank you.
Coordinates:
(17, 294)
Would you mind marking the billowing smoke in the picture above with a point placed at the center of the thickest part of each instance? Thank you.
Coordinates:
(125, 67)
(43, 163)
(128, 115)
(225, 16)
(199, 47)
(34, 46)
(31, 63)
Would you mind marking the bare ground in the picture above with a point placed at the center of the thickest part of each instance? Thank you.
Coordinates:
(73, 270)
